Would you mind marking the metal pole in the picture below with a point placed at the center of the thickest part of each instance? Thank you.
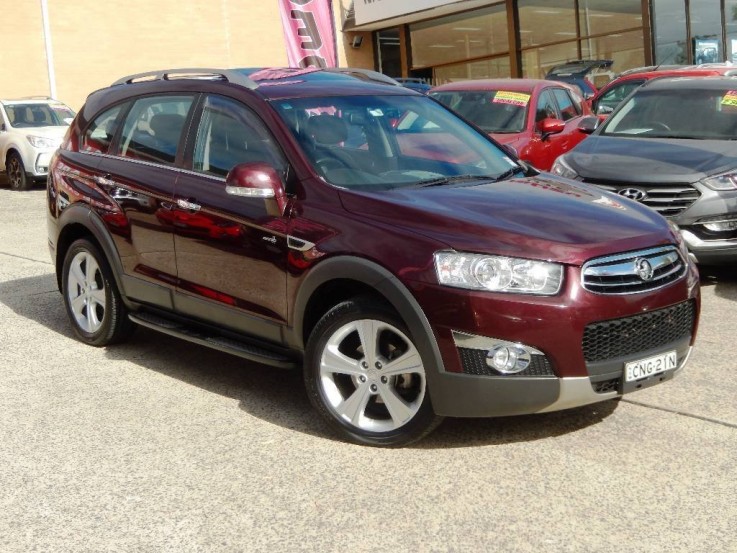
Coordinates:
(49, 49)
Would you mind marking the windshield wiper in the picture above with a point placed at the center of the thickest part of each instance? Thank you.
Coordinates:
(454, 178)
(508, 174)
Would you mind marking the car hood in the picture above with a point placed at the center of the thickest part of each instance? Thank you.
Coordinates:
(46, 132)
(541, 217)
(651, 160)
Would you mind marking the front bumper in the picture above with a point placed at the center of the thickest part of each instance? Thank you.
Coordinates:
(556, 328)
(709, 252)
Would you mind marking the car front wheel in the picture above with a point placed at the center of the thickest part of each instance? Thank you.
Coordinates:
(91, 297)
(17, 173)
(364, 374)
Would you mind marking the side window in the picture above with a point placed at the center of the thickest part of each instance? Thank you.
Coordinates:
(614, 96)
(100, 133)
(229, 134)
(546, 107)
(153, 128)
(568, 109)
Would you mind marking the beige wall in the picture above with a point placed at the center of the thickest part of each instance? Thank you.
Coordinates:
(96, 42)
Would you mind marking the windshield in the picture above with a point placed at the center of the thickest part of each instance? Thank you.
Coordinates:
(38, 115)
(677, 113)
(389, 141)
(498, 111)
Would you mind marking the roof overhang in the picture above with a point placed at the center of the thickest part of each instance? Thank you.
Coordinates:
(400, 13)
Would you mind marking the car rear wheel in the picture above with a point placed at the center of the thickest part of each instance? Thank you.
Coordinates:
(17, 173)
(91, 297)
(366, 377)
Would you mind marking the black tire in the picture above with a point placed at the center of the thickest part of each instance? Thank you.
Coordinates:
(16, 171)
(379, 399)
(92, 300)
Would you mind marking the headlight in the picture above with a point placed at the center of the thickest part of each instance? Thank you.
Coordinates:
(726, 181)
(561, 168)
(42, 141)
(498, 274)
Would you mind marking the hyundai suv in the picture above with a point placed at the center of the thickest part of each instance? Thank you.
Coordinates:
(363, 233)
(30, 130)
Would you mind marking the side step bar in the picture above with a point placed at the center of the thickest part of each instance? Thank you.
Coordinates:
(212, 339)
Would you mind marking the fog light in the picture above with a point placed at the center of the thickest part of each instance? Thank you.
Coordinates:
(721, 226)
(508, 359)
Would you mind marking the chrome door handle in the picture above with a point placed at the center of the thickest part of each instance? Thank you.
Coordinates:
(104, 181)
(186, 204)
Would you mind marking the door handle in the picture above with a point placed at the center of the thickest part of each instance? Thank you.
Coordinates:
(189, 205)
(104, 180)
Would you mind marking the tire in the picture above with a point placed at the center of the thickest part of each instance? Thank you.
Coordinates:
(16, 172)
(380, 399)
(92, 300)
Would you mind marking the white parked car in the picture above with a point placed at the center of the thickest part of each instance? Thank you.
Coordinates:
(31, 129)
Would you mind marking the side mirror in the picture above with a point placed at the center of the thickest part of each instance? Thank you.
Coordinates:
(258, 180)
(550, 126)
(589, 124)
(3, 128)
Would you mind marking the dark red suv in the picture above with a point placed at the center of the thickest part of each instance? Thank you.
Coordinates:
(324, 220)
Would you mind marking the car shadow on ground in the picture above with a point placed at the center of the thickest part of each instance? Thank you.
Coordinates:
(722, 277)
(275, 396)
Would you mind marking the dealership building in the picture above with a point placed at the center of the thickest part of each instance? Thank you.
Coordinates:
(67, 48)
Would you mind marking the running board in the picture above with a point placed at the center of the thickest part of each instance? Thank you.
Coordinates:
(212, 339)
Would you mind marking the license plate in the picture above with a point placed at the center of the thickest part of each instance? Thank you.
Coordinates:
(650, 366)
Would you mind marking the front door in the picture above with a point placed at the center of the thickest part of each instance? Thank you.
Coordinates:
(231, 251)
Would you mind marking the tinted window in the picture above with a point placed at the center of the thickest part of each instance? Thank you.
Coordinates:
(568, 109)
(154, 127)
(100, 133)
(229, 134)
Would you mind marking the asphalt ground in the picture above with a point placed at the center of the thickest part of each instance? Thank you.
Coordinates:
(161, 445)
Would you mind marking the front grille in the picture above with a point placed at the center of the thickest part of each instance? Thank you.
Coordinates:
(474, 362)
(668, 200)
(633, 272)
(619, 337)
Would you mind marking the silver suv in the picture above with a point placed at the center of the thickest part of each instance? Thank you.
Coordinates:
(31, 129)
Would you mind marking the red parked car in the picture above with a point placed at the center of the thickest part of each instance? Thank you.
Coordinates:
(614, 92)
(538, 119)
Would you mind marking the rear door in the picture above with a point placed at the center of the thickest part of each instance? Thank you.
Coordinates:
(140, 175)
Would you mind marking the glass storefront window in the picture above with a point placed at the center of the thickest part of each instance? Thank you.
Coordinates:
(706, 30)
(598, 17)
(669, 30)
(390, 59)
(625, 49)
(730, 21)
(460, 37)
(485, 69)
(543, 21)
(536, 62)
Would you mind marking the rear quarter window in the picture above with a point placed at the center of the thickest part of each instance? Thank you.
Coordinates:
(99, 135)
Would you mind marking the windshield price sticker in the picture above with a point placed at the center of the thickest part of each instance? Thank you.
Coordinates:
(514, 98)
(730, 98)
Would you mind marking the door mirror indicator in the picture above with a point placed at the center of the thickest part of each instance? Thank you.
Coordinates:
(257, 180)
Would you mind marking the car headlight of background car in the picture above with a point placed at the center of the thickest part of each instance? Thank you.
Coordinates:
(42, 141)
(561, 168)
(498, 274)
(725, 181)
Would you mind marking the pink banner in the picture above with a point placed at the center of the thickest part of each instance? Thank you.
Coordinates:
(309, 32)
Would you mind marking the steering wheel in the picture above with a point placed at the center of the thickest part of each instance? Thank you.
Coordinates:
(660, 125)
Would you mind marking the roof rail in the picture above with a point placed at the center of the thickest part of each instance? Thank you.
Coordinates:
(228, 75)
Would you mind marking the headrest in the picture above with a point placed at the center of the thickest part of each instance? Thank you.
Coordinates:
(327, 129)
(163, 123)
